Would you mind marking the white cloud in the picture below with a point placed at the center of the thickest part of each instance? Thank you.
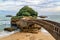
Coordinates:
(53, 9)
(10, 5)
(15, 5)
(34, 1)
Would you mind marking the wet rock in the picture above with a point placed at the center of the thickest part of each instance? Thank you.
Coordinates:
(9, 29)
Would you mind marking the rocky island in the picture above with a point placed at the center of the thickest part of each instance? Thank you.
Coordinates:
(28, 31)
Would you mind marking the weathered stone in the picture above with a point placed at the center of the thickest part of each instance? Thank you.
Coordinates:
(26, 26)
(9, 29)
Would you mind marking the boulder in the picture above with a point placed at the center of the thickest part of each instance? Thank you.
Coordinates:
(9, 29)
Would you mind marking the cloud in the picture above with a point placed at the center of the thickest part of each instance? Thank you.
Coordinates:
(55, 9)
(51, 7)
(42, 6)
(15, 4)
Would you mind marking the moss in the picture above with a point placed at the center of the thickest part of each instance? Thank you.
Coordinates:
(17, 17)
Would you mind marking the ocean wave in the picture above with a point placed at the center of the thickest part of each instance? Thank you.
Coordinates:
(43, 30)
(6, 33)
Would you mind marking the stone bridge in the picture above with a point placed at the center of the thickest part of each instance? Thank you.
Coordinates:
(52, 27)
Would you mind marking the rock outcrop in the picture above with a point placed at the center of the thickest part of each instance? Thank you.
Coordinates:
(25, 26)
(9, 29)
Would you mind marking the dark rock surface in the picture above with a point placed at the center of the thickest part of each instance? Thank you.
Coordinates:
(9, 29)
(25, 26)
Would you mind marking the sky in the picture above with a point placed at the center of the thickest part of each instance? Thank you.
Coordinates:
(43, 7)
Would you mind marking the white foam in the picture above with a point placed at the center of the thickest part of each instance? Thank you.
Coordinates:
(43, 30)
(5, 33)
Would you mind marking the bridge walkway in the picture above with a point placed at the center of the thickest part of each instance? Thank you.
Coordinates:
(50, 26)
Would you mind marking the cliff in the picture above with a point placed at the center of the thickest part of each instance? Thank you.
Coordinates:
(25, 26)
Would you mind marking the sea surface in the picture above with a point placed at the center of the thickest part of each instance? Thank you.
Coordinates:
(5, 22)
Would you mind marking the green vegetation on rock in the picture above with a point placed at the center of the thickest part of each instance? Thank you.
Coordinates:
(27, 11)
(17, 17)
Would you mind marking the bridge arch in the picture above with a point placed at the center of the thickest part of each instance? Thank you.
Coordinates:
(54, 30)
(52, 27)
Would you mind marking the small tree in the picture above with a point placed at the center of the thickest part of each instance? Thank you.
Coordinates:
(25, 14)
(27, 11)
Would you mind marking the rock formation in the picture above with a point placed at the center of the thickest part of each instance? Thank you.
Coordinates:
(25, 26)
(9, 29)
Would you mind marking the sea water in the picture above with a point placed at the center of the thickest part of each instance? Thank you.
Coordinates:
(5, 22)
(55, 18)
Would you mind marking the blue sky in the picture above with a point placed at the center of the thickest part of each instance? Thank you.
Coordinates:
(43, 7)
